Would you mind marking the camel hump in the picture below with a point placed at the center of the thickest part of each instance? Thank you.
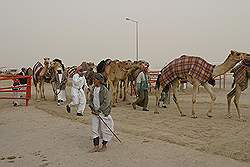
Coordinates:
(101, 66)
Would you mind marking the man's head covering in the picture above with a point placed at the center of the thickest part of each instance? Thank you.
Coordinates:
(79, 69)
(146, 64)
(99, 77)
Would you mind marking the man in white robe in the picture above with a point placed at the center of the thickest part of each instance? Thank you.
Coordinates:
(77, 93)
(100, 104)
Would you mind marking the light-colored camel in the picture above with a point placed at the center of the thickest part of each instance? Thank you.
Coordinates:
(239, 86)
(117, 71)
(39, 72)
(132, 70)
(233, 58)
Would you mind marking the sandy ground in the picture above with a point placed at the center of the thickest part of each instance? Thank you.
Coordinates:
(43, 134)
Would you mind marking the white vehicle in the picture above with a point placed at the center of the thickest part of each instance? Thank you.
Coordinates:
(6, 70)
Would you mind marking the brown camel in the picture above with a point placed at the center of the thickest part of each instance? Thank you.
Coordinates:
(198, 72)
(241, 76)
(117, 71)
(39, 72)
(88, 67)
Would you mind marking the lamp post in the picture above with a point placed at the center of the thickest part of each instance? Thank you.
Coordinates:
(136, 36)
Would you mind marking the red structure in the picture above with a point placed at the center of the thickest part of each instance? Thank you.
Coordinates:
(10, 88)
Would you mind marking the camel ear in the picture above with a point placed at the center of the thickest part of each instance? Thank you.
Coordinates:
(232, 52)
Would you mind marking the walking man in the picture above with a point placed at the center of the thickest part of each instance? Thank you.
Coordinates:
(78, 97)
(100, 105)
(142, 88)
(60, 80)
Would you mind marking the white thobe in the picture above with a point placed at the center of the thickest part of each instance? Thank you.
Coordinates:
(77, 93)
(99, 129)
(61, 93)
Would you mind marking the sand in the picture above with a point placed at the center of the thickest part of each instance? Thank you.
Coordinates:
(43, 134)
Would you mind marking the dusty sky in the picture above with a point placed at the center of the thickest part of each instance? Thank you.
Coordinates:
(91, 30)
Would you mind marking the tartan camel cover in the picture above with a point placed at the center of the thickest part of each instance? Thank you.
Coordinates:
(240, 75)
(187, 65)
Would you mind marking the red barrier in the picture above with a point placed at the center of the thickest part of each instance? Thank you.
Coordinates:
(10, 88)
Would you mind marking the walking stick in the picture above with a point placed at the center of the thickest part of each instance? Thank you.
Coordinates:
(109, 128)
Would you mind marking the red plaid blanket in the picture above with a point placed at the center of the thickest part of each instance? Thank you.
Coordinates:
(240, 74)
(187, 65)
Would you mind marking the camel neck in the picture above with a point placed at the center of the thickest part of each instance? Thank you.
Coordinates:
(223, 68)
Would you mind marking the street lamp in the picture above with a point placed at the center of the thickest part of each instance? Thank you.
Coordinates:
(136, 38)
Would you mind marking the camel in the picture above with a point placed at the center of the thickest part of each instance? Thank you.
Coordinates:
(117, 72)
(88, 67)
(39, 72)
(241, 74)
(133, 73)
(192, 73)
(54, 66)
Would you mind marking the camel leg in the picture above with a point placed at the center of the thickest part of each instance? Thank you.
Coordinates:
(131, 88)
(175, 96)
(195, 90)
(113, 92)
(39, 91)
(237, 100)
(157, 97)
(36, 91)
(42, 90)
(208, 88)
(120, 90)
(230, 95)
(125, 90)
(116, 91)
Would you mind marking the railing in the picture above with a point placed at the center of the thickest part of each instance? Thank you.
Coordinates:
(17, 88)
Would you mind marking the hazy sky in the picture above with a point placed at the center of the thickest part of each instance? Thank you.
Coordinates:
(91, 30)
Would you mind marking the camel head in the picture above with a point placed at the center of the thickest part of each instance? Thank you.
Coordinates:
(91, 66)
(46, 61)
(126, 65)
(233, 58)
(236, 56)
(56, 64)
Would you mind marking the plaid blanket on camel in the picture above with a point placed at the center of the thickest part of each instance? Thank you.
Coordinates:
(187, 65)
(240, 75)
